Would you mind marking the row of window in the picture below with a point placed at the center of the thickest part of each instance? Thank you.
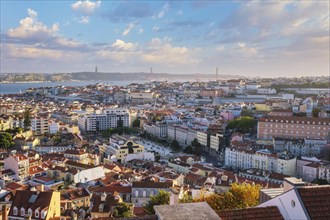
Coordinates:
(302, 122)
(36, 213)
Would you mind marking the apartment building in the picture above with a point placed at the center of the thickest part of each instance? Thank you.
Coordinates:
(182, 134)
(142, 191)
(39, 125)
(301, 147)
(210, 142)
(293, 127)
(109, 118)
(19, 164)
(158, 130)
(284, 163)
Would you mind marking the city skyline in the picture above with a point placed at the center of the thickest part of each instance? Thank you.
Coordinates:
(279, 38)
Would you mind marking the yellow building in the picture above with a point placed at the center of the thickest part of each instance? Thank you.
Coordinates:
(121, 147)
(35, 205)
(262, 107)
(61, 173)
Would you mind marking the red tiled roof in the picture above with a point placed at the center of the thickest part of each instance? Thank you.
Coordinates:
(35, 169)
(316, 199)
(22, 199)
(114, 188)
(14, 186)
(297, 120)
(269, 213)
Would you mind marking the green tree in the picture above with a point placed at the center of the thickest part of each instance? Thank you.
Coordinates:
(136, 123)
(6, 140)
(123, 210)
(320, 181)
(316, 112)
(163, 198)
(244, 124)
(175, 145)
(188, 150)
(27, 119)
(186, 198)
(196, 146)
(246, 112)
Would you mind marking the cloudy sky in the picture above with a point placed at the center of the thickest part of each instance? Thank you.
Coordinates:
(250, 38)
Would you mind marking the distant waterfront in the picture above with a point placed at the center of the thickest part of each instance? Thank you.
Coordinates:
(13, 88)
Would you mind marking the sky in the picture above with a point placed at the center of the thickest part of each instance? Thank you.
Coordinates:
(249, 38)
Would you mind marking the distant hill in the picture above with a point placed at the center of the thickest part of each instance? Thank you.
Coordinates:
(102, 76)
(145, 76)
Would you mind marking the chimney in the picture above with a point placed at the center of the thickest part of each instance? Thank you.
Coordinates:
(4, 212)
(41, 187)
(292, 182)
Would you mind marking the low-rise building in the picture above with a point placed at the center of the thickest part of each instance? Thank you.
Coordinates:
(141, 191)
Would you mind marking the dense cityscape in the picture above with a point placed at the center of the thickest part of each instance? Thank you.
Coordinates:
(164, 110)
(120, 151)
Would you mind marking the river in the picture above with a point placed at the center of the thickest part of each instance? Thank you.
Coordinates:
(13, 88)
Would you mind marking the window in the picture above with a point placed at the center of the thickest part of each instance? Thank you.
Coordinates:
(37, 213)
(29, 212)
(22, 211)
(15, 211)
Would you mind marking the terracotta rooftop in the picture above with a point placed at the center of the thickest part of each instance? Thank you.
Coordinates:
(31, 199)
(316, 200)
(114, 188)
(151, 184)
(269, 213)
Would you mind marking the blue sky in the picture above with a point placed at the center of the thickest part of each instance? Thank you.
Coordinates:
(250, 38)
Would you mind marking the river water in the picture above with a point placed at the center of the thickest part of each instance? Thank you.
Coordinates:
(13, 88)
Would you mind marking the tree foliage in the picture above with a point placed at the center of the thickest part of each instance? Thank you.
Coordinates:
(136, 123)
(15, 130)
(6, 140)
(320, 181)
(175, 145)
(243, 124)
(315, 112)
(27, 119)
(186, 198)
(123, 210)
(163, 198)
(238, 197)
(196, 146)
(120, 130)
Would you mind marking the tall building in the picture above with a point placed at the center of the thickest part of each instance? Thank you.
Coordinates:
(110, 118)
(95, 69)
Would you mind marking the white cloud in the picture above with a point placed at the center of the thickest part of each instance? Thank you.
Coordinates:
(32, 14)
(141, 30)
(122, 45)
(241, 44)
(129, 27)
(31, 52)
(86, 7)
(84, 20)
(165, 8)
(156, 28)
(220, 48)
(30, 27)
(161, 52)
